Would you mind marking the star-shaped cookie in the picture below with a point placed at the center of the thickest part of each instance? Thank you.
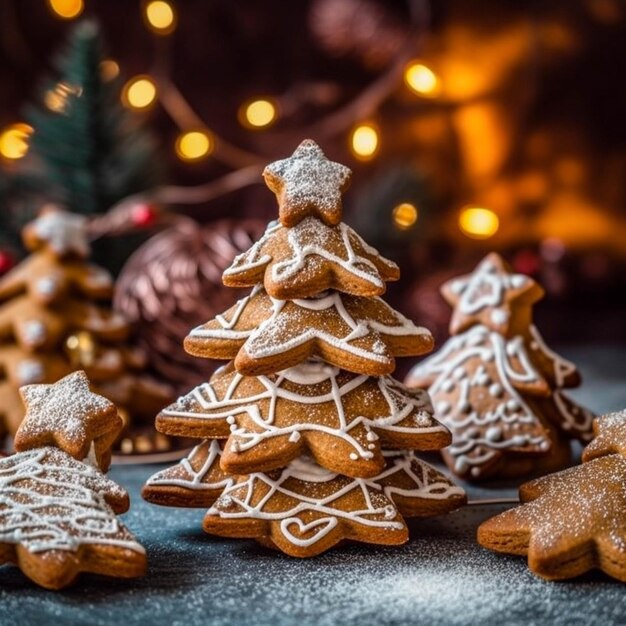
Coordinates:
(68, 415)
(59, 231)
(309, 258)
(610, 436)
(339, 417)
(492, 295)
(571, 522)
(307, 183)
(266, 335)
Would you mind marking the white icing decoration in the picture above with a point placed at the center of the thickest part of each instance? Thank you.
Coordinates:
(47, 285)
(562, 367)
(469, 447)
(486, 288)
(282, 271)
(34, 332)
(323, 525)
(195, 482)
(62, 509)
(400, 402)
(426, 486)
(64, 232)
(264, 341)
(30, 371)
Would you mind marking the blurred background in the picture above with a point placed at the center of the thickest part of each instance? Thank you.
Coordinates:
(470, 127)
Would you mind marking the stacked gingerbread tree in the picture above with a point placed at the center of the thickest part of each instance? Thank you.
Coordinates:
(306, 436)
(496, 384)
(56, 318)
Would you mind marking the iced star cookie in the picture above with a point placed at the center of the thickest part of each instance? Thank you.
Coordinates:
(309, 258)
(308, 184)
(266, 335)
(341, 418)
(304, 509)
(58, 512)
(68, 415)
(496, 385)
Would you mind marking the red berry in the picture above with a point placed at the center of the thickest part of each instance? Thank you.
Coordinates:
(143, 215)
(526, 262)
(6, 261)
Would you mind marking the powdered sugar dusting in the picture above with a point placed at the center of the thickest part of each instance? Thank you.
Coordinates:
(65, 407)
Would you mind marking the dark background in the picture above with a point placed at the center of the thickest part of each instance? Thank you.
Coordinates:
(529, 123)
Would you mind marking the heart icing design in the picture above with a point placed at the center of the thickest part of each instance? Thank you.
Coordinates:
(323, 526)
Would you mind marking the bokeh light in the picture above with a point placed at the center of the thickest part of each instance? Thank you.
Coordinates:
(404, 215)
(364, 141)
(139, 92)
(14, 141)
(258, 113)
(66, 9)
(478, 222)
(194, 145)
(109, 70)
(160, 16)
(421, 79)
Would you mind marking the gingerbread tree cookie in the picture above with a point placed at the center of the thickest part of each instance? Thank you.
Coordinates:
(496, 385)
(58, 512)
(573, 521)
(55, 318)
(313, 431)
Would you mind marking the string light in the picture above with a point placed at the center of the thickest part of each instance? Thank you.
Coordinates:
(478, 223)
(109, 70)
(421, 79)
(404, 215)
(258, 113)
(139, 92)
(66, 9)
(364, 141)
(160, 17)
(57, 98)
(194, 145)
(14, 141)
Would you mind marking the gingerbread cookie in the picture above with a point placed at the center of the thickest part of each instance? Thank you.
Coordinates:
(496, 385)
(310, 258)
(305, 509)
(308, 421)
(341, 418)
(196, 481)
(265, 335)
(573, 521)
(57, 509)
(307, 183)
(52, 323)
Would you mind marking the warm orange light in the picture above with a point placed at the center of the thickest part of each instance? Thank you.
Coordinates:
(258, 113)
(421, 79)
(109, 69)
(14, 141)
(160, 16)
(194, 145)
(139, 92)
(478, 223)
(364, 141)
(66, 9)
(404, 215)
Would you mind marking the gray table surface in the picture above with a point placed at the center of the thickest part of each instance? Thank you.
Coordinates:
(440, 577)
